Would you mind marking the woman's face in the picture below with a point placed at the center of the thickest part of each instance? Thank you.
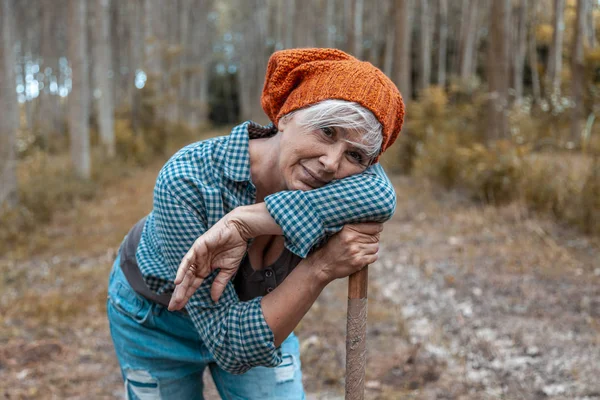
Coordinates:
(311, 159)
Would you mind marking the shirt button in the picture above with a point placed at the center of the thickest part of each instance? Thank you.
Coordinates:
(268, 274)
(269, 289)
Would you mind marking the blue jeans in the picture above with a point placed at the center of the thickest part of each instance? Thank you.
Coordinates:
(162, 356)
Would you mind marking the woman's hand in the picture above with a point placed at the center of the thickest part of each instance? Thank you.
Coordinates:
(348, 251)
(222, 246)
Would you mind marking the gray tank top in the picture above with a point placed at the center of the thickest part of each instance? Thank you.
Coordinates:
(248, 283)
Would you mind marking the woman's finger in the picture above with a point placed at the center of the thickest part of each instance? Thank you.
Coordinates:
(185, 264)
(369, 248)
(220, 283)
(370, 259)
(369, 228)
(175, 302)
(180, 295)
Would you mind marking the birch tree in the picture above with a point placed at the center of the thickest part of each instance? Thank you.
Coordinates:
(330, 23)
(358, 29)
(290, 13)
(390, 39)
(498, 69)
(443, 41)
(8, 104)
(555, 56)
(520, 47)
(46, 119)
(577, 72)
(589, 23)
(136, 51)
(201, 45)
(252, 59)
(349, 20)
(403, 58)
(532, 52)
(154, 38)
(469, 39)
(78, 101)
(459, 26)
(103, 90)
(425, 46)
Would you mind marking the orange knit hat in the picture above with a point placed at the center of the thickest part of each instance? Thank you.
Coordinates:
(297, 78)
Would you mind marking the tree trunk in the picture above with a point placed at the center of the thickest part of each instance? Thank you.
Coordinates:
(30, 33)
(9, 122)
(468, 47)
(403, 56)
(375, 24)
(462, 21)
(252, 60)
(46, 119)
(358, 29)
(78, 102)
(498, 69)
(122, 70)
(290, 12)
(201, 44)
(136, 48)
(184, 58)
(577, 74)
(330, 23)
(555, 57)
(103, 93)
(532, 50)
(443, 41)
(154, 52)
(520, 47)
(172, 60)
(349, 21)
(390, 40)
(425, 47)
(590, 25)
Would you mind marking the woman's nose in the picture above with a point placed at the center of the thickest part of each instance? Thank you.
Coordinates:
(331, 160)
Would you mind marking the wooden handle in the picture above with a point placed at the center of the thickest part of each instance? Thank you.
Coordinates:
(356, 335)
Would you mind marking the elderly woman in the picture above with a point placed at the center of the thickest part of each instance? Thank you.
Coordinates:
(251, 227)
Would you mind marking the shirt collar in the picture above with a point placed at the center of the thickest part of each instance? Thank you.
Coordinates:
(237, 161)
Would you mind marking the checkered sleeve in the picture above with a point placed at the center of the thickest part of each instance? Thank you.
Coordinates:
(235, 332)
(309, 217)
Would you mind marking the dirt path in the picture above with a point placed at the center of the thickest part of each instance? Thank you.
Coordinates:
(465, 302)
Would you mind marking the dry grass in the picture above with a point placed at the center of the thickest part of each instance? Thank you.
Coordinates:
(47, 184)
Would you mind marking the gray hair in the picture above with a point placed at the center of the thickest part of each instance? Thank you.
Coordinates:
(346, 115)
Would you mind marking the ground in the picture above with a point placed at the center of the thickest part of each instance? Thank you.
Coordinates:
(466, 302)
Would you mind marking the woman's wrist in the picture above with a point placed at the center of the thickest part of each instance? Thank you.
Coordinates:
(317, 268)
(254, 220)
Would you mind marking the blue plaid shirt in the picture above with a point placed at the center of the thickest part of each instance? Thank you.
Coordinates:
(204, 181)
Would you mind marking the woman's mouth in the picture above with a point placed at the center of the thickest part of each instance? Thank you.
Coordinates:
(311, 179)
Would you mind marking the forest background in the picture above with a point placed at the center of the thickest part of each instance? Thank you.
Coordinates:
(502, 95)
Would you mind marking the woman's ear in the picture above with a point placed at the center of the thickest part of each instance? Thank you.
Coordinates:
(281, 124)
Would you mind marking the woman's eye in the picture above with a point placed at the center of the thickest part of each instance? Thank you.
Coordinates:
(327, 131)
(356, 156)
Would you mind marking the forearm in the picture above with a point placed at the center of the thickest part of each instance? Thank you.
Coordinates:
(290, 301)
(256, 221)
(308, 217)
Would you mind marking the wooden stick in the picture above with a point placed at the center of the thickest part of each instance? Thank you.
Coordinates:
(356, 335)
